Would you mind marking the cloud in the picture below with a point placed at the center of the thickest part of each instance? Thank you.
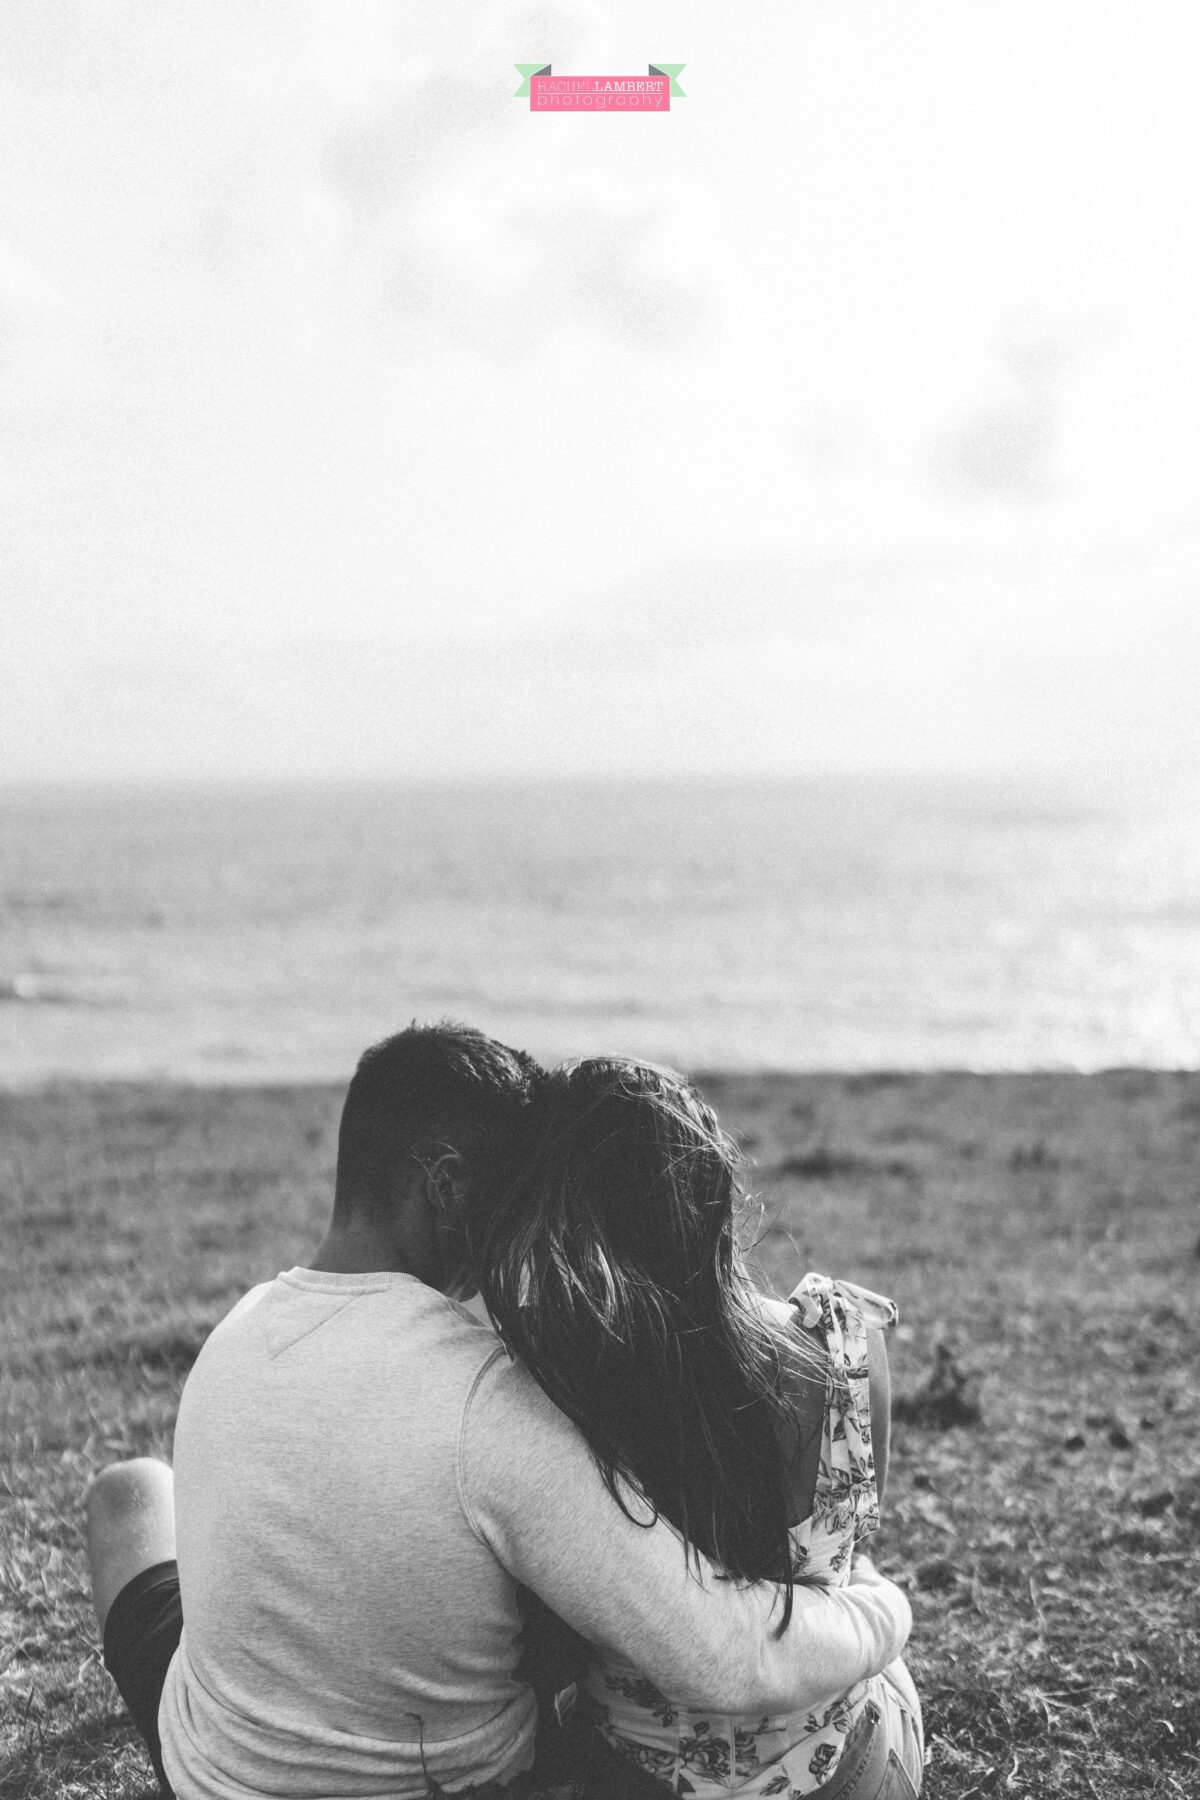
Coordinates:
(378, 156)
(592, 263)
(1004, 449)
(453, 220)
(999, 450)
(565, 35)
(816, 596)
(463, 215)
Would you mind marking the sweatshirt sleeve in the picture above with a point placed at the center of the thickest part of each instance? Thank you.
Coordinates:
(531, 1491)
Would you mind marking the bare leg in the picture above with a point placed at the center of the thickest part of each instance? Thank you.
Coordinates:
(880, 1395)
(130, 1510)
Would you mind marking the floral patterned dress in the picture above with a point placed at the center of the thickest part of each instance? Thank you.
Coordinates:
(707, 1755)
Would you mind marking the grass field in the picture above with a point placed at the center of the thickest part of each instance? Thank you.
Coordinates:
(1043, 1230)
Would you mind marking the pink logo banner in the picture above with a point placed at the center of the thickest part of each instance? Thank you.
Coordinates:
(599, 93)
(549, 92)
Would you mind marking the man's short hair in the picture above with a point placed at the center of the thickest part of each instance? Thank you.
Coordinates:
(427, 1089)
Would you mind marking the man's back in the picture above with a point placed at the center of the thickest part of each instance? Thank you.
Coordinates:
(343, 1618)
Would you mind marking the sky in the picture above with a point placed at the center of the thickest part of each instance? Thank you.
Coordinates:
(356, 421)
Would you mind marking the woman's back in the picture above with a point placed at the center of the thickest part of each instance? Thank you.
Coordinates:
(609, 1262)
(706, 1755)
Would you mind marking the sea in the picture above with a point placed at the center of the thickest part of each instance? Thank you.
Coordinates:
(269, 933)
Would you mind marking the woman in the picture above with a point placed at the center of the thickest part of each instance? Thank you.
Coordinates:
(613, 1271)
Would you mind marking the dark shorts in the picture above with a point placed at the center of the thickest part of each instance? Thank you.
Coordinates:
(141, 1634)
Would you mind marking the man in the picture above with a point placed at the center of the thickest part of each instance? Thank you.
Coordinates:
(362, 1479)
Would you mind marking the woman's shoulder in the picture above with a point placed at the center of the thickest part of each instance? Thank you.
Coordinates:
(778, 1312)
(801, 1339)
(816, 1299)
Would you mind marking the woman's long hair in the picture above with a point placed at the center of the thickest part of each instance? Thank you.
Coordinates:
(607, 1258)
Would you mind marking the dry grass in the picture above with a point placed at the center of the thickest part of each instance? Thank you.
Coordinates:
(1043, 1229)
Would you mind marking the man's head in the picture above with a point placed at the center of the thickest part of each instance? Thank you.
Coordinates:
(425, 1112)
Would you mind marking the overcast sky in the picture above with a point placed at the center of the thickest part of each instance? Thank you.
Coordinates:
(355, 420)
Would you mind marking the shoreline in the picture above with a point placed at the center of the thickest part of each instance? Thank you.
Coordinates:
(733, 1074)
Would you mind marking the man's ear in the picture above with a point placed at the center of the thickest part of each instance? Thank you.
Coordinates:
(446, 1185)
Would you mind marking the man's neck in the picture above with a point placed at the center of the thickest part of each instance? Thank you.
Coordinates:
(357, 1250)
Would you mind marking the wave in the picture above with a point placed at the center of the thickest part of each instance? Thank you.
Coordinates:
(32, 990)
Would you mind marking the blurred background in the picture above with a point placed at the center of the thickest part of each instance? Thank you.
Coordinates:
(720, 586)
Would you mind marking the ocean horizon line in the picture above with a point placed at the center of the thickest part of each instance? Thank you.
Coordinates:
(853, 1075)
(1016, 778)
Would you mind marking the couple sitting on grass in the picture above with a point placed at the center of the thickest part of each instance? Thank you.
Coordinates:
(397, 1537)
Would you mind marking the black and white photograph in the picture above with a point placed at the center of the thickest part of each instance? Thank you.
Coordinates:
(599, 900)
